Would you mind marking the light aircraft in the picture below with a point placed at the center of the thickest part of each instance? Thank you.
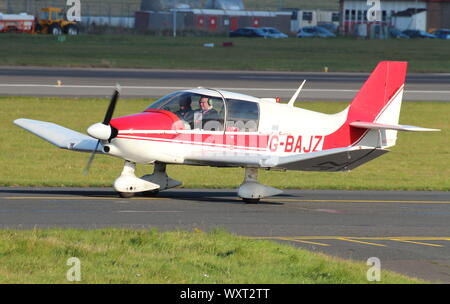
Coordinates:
(241, 131)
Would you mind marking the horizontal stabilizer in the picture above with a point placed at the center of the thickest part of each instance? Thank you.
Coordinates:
(59, 136)
(378, 126)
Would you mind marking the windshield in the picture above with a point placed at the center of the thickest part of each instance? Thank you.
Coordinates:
(197, 111)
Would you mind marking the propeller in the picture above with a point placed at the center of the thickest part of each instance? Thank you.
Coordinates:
(102, 130)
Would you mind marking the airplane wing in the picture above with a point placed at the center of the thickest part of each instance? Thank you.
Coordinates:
(340, 159)
(59, 136)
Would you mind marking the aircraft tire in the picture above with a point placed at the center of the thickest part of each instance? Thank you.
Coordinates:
(126, 194)
(251, 200)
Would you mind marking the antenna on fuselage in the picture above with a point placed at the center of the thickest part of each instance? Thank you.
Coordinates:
(294, 97)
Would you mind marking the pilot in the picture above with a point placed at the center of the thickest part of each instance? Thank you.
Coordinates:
(186, 113)
(206, 114)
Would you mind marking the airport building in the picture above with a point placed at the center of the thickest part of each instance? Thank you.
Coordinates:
(212, 21)
(402, 14)
(223, 16)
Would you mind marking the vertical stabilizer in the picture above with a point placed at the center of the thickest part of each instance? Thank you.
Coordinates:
(379, 100)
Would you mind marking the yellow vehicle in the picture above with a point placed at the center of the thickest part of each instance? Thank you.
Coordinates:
(52, 21)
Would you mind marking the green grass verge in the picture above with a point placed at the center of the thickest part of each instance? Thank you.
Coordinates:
(292, 54)
(149, 256)
(420, 161)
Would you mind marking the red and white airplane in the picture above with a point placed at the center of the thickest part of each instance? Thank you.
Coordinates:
(209, 127)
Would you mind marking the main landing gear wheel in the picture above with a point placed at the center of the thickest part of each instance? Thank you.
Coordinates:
(251, 191)
(251, 200)
(126, 194)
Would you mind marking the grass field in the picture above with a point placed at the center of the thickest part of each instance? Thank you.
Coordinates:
(148, 256)
(292, 54)
(420, 161)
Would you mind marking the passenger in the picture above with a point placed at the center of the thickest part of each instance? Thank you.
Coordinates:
(205, 114)
(186, 113)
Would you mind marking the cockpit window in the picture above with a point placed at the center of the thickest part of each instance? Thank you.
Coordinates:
(197, 111)
(242, 115)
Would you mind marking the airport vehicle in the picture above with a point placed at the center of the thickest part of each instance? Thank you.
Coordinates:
(243, 131)
(16, 23)
(53, 21)
(247, 32)
(314, 31)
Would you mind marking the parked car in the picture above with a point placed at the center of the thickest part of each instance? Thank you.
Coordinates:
(418, 34)
(329, 26)
(314, 31)
(396, 33)
(442, 33)
(248, 32)
(272, 32)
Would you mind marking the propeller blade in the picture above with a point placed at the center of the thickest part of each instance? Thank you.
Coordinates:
(106, 121)
(91, 159)
(112, 106)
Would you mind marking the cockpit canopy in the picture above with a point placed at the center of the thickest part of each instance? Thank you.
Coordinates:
(238, 115)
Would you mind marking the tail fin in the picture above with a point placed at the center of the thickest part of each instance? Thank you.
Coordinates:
(378, 101)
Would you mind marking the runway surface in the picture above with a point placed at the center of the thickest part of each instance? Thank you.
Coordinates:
(408, 231)
(70, 82)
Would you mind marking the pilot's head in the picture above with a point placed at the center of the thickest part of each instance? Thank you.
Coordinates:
(205, 103)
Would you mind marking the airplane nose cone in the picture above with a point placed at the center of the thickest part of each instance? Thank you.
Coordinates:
(100, 131)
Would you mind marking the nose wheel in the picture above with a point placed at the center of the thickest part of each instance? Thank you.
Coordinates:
(127, 184)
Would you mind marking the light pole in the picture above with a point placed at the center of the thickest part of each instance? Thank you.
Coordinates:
(174, 23)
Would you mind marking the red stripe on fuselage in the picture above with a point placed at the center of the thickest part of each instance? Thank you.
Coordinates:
(242, 141)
